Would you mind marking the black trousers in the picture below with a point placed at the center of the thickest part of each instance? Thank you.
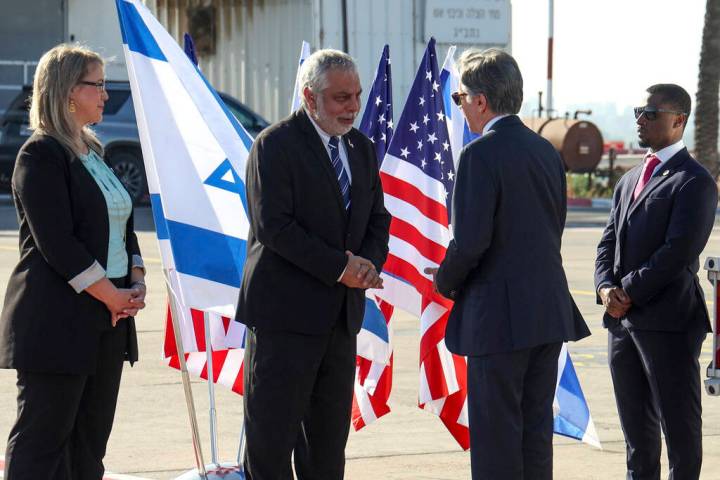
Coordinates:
(64, 421)
(298, 398)
(510, 398)
(656, 376)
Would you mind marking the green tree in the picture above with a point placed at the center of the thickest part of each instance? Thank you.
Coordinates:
(706, 110)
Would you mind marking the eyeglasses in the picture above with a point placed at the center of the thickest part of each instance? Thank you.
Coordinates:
(100, 85)
(457, 97)
(651, 113)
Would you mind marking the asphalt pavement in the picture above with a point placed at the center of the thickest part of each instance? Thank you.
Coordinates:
(151, 437)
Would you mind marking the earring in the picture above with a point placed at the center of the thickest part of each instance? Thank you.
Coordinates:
(71, 107)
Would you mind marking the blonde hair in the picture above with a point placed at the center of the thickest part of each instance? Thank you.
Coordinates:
(58, 71)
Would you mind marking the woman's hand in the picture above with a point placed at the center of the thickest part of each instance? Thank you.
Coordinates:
(138, 290)
(115, 299)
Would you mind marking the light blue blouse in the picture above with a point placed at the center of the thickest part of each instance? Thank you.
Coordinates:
(119, 205)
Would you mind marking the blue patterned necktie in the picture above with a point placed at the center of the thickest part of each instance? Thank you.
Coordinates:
(340, 173)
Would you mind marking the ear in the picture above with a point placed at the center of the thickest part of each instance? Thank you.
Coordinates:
(679, 121)
(71, 95)
(482, 102)
(310, 99)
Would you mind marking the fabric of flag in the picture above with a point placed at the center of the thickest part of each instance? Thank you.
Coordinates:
(377, 119)
(570, 409)
(458, 129)
(417, 175)
(297, 94)
(373, 379)
(227, 360)
(571, 412)
(195, 152)
(189, 48)
(373, 375)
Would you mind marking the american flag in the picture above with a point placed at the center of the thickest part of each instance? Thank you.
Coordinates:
(377, 120)
(417, 175)
(373, 378)
(227, 340)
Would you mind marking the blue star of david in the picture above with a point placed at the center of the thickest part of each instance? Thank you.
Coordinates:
(236, 186)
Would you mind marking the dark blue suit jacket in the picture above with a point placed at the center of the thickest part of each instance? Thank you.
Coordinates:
(503, 268)
(651, 246)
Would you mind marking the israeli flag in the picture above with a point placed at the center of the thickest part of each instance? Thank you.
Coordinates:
(297, 94)
(458, 130)
(374, 339)
(571, 412)
(195, 153)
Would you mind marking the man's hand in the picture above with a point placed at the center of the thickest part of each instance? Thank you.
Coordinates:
(615, 300)
(360, 273)
(433, 272)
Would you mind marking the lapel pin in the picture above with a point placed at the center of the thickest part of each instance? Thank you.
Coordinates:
(665, 173)
(351, 144)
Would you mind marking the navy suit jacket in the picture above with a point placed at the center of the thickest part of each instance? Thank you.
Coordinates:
(651, 246)
(503, 268)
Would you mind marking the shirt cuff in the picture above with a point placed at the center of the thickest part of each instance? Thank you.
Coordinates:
(343, 273)
(137, 262)
(87, 277)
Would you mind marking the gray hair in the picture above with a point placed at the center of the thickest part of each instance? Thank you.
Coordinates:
(58, 71)
(313, 73)
(495, 74)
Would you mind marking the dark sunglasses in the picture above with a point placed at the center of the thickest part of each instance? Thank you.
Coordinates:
(457, 97)
(99, 85)
(651, 113)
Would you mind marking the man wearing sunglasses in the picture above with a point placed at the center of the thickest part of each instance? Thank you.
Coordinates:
(503, 268)
(646, 278)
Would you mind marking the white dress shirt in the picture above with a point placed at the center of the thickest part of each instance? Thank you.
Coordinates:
(326, 140)
(343, 156)
(665, 154)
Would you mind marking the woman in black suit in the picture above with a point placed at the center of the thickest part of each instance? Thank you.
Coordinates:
(67, 323)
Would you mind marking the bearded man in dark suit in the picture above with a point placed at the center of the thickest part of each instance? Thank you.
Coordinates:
(318, 238)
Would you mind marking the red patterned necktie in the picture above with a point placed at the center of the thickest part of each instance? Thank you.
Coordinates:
(651, 161)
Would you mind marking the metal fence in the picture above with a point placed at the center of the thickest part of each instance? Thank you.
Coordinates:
(13, 75)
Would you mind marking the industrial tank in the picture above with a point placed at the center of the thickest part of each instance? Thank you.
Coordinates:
(579, 142)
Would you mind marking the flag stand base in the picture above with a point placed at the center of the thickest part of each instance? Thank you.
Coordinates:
(224, 471)
(712, 382)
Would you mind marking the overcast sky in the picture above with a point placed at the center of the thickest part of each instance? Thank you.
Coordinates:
(608, 50)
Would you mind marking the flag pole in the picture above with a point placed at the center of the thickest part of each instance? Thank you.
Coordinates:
(189, 401)
(211, 391)
(241, 446)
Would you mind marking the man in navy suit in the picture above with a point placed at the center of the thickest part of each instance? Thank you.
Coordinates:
(513, 309)
(646, 277)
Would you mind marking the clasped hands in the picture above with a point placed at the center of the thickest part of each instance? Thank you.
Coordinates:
(360, 273)
(127, 302)
(615, 300)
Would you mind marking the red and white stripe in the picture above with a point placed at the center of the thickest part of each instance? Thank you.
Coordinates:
(419, 236)
(373, 383)
(226, 338)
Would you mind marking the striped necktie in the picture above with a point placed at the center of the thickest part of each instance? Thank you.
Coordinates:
(340, 173)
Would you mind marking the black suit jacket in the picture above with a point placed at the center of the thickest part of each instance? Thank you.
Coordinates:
(650, 246)
(503, 268)
(299, 229)
(45, 326)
